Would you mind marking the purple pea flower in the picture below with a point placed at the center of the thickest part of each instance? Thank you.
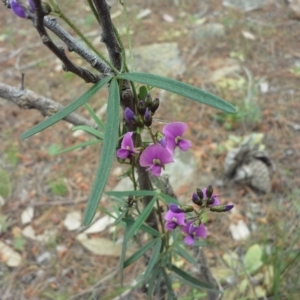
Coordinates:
(17, 9)
(173, 133)
(155, 157)
(174, 219)
(214, 197)
(190, 231)
(32, 6)
(127, 147)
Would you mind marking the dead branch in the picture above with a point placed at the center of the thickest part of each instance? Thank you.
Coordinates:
(30, 100)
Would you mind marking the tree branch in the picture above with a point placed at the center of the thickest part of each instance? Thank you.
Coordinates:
(108, 35)
(68, 65)
(30, 100)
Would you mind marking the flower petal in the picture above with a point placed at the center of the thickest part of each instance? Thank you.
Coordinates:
(123, 153)
(127, 142)
(17, 9)
(170, 225)
(189, 240)
(175, 208)
(184, 145)
(175, 129)
(201, 231)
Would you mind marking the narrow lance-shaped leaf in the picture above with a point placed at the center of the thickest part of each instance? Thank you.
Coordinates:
(84, 144)
(68, 109)
(141, 218)
(89, 130)
(135, 256)
(107, 153)
(180, 88)
(154, 258)
(143, 227)
(192, 280)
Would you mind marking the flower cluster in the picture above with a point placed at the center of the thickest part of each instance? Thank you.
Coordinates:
(191, 225)
(20, 9)
(155, 156)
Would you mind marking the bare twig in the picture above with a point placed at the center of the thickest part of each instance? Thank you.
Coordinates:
(108, 35)
(77, 47)
(28, 99)
(68, 65)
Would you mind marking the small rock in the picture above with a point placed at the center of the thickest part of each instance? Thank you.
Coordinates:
(239, 231)
(245, 5)
(100, 225)
(73, 220)
(27, 215)
(44, 258)
(9, 255)
(208, 31)
(294, 9)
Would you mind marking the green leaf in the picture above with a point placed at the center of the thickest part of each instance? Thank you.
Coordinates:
(131, 193)
(84, 144)
(180, 88)
(123, 254)
(168, 283)
(135, 256)
(141, 218)
(68, 109)
(108, 151)
(143, 227)
(253, 258)
(154, 258)
(95, 117)
(183, 253)
(5, 184)
(167, 199)
(89, 130)
(192, 280)
(142, 92)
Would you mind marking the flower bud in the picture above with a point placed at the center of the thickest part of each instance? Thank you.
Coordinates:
(154, 106)
(196, 199)
(138, 121)
(17, 9)
(221, 208)
(200, 193)
(187, 208)
(209, 191)
(161, 139)
(46, 8)
(129, 115)
(147, 118)
(141, 107)
(148, 100)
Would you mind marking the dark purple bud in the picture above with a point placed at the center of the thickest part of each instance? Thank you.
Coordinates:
(129, 115)
(197, 200)
(141, 107)
(200, 193)
(221, 208)
(147, 118)
(148, 100)
(154, 106)
(175, 208)
(209, 191)
(17, 9)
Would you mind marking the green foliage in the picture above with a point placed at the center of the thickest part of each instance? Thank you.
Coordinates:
(58, 187)
(19, 243)
(180, 88)
(68, 109)
(111, 134)
(5, 184)
(12, 155)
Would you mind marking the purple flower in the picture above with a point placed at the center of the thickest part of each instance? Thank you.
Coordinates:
(173, 133)
(214, 197)
(175, 208)
(190, 231)
(127, 147)
(129, 115)
(155, 157)
(174, 219)
(162, 141)
(17, 9)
